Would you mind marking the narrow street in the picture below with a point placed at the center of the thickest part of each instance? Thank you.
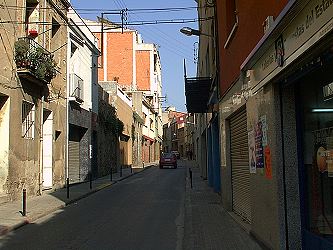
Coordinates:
(142, 212)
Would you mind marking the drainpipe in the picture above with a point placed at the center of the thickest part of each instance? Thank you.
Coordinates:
(41, 146)
(40, 175)
(44, 20)
(67, 104)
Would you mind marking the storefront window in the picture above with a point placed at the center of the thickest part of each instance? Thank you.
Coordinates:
(317, 137)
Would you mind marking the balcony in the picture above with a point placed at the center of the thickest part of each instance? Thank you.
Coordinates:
(75, 89)
(197, 91)
(33, 62)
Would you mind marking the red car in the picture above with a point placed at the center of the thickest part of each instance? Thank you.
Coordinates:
(168, 159)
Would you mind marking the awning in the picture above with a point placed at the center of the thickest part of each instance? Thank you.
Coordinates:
(197, 92)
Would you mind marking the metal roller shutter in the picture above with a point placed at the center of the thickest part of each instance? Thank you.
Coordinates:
(240, 166)
(74, 161)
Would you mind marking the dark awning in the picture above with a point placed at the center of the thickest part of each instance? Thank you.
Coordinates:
(197, 91)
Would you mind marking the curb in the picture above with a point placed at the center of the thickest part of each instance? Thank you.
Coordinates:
(29, 220)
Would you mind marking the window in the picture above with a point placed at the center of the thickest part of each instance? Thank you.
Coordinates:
(28, 120)
(55, 27)
(31, 15)
(231, 21)
(145, 119)
(317, 155)
(73, 48)
(230, 14)
(151, 124)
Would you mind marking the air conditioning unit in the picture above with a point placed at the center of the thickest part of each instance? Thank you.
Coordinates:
(268, 23)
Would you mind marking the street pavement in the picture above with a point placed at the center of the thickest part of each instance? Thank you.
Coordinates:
(154, 209)
(140, 212)
(11, 212)
(207, 225)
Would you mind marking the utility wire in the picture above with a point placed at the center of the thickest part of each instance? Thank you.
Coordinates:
(167, 41)
(171, 21)
(165, 36)
(2, 6)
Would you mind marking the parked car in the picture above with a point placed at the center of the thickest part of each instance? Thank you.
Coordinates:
(176, 153)
(168, 159)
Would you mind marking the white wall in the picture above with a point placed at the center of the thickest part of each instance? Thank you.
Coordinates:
(84, 60)
(4, 145)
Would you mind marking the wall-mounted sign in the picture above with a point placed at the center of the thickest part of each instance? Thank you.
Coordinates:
(279, 51)
(306, 29)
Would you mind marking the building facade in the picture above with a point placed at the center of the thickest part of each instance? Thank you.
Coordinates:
(33, 98)
(274, 119)
(123, 107)
(135, 67)
(82, 100)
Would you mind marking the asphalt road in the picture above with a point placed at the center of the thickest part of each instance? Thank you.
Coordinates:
(145, 211)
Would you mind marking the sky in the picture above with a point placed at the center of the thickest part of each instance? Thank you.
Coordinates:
(174, 46)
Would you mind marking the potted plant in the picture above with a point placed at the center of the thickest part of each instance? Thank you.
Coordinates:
(21, 52)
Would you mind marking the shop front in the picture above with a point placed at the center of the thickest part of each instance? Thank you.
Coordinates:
(314, 103)
(290, 82)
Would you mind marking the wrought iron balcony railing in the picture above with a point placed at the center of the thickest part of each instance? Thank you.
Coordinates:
(34, 61)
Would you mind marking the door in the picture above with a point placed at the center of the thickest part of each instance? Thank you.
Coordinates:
(315, 139)
(239, 155)
(47, 148)
(74, 161)
(75, 135)
(216, 154)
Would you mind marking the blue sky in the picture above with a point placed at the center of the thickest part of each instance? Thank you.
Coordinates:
(173, 45)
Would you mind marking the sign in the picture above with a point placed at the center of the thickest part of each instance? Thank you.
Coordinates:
(279, 51)
(252, 154)
(323, 139)
(313, 22)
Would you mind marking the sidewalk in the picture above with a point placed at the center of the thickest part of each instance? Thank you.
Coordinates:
(207, 224)
(39, 206)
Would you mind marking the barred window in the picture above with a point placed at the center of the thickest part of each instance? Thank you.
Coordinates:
(28, 120)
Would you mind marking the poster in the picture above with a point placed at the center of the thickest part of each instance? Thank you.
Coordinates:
(264, 130)
(252, 155)
(259, 147)
(330, 163)
(268, 163)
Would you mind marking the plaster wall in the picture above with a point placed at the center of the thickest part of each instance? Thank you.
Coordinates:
(265, 201)
(4, 146)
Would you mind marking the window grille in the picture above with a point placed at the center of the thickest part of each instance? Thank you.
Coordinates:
(28, 120)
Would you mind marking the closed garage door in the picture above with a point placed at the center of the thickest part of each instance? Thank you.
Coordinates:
(240, 168)
(74, 161)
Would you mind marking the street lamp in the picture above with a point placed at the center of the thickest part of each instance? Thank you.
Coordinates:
(192, 32)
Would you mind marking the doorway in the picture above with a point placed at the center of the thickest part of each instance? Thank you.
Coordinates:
(47, 148)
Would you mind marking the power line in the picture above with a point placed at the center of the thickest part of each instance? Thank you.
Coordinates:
(135, 23)
(146, 10)
(165, 36)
